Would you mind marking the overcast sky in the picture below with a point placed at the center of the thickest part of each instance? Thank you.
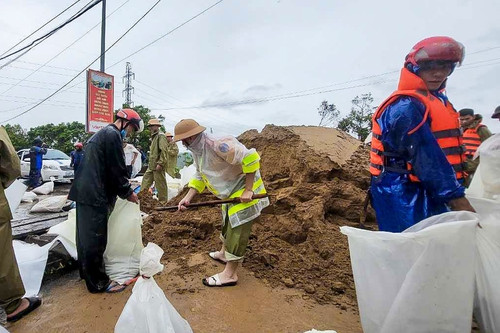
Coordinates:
(244, 50)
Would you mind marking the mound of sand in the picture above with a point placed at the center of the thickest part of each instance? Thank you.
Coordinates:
(316, 185)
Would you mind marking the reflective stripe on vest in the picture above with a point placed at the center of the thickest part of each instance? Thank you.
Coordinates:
(257, 188)
(251, 163)
(471, 140)
(444, 123)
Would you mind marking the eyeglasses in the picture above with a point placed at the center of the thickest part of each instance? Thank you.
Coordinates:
(436, 65)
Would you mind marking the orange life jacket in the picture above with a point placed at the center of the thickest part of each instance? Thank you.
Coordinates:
(471, 140)
(444, 123)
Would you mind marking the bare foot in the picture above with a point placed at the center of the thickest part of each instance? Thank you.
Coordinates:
(23, 306)
(219, 280)
(218, 255)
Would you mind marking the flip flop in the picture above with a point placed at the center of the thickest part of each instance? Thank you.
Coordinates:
(113, 285)
(34, 302)
(132, 280)
(212, 255)
(214, 281)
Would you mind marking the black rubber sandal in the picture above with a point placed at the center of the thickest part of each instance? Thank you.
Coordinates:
(34, 302)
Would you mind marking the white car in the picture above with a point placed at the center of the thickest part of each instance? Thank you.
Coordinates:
(55, 165)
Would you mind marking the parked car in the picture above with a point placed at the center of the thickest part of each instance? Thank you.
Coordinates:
(55, 165)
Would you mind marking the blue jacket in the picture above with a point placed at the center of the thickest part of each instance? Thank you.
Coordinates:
(76, 158)
(398, 202)
(36, 157)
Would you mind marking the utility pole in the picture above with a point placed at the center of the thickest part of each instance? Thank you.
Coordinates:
(128, 90)
(103, 34)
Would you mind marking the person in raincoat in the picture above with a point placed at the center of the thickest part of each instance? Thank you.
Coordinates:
(11, 286)
(76, 156)
(101, 177)
(157, 165)
(172, 152)
(229, 170)
(36, 162)
(416, 158)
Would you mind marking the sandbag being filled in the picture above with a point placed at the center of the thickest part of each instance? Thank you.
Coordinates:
(421, 281)
(148, 310)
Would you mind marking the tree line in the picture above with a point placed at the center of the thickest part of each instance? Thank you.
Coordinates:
(63, 136)
(357, 123)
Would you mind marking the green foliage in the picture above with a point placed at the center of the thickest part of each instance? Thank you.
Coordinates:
(18, 136)
(62, 136)
(328, 113)
(358, 121)
(144, 139)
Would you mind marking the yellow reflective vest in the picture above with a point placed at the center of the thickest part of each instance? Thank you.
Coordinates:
(221, 167)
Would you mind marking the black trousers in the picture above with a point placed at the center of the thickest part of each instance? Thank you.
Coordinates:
(91, 240)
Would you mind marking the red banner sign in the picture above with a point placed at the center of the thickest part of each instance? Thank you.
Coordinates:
(100, 93)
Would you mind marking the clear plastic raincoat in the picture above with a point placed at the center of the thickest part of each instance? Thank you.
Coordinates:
(221, 165)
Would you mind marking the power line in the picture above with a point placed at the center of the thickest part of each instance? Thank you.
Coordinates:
(303, 92)
(49, 72)
(168, 33)
(50, 66)
(52, 19)
(39, 40)
(161, 92)
(74, 42)
(83, 70)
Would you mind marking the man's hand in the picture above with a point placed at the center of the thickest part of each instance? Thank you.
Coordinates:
(183, 203)
(133, 198)
(246, 196)
(158, 167)
(461, 204)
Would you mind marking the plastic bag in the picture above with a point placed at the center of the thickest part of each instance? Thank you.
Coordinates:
(487, 302)
(187, 173)
(476, 187)
(29, 197)
(148, 310)
(315, 331)
(31, 260)
(489, 152)
(173, 187)
(46, 188)
(416, 281)
(52, 204)
(14, 194)
(67, 233)
(123, 249)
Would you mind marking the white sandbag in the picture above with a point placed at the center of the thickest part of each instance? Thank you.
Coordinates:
(476, 187)
(14, 194)
(487, 303)
(148, 310)
(315, 331)
(416, 281)
(173, 187)
(31, 260)
(66, 232)
(52, 204)
(45, 188)
(489, 152)
(123, 250)
(29, 197)
(187, 173)
(137, 166)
